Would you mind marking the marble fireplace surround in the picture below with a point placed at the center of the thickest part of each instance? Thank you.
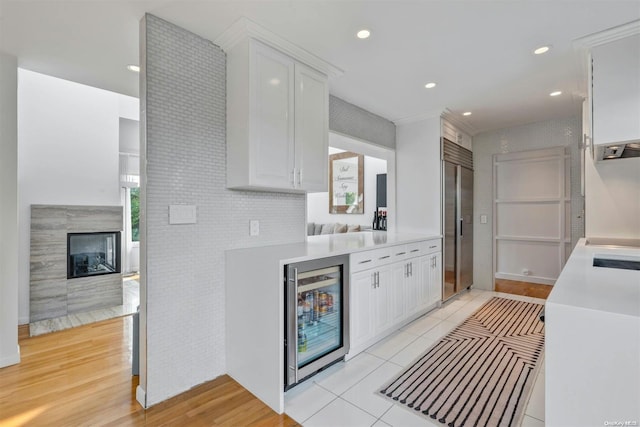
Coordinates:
(51, 294)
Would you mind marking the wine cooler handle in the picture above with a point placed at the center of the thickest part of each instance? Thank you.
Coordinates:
(293, 325)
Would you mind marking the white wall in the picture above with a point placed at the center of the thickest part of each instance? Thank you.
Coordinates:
(418, 177)
(551, 133)
(612, 198)
(9, 349)
(318, 203)
(67, 152)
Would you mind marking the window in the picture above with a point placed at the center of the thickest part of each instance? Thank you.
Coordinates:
(135, 214)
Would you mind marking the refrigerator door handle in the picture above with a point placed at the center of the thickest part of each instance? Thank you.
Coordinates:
(292, 355)
(461, 222)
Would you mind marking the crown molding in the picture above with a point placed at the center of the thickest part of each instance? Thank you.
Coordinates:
(418, 118)
(608, 35)
(244, 28)
(583, 45)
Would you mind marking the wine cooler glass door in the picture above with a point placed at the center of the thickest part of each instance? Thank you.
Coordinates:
(317, 295)
(319, 313)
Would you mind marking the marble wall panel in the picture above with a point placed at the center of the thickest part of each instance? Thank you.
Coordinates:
(91, 293)
(48, 299)
(94, 218)
(51, 294)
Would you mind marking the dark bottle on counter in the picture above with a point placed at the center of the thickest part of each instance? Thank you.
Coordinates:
(375, 220)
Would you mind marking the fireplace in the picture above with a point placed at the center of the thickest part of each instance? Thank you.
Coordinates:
(93, 254)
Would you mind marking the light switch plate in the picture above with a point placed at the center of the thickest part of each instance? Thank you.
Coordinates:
(483, 219)
(254, 227)
(182, 214)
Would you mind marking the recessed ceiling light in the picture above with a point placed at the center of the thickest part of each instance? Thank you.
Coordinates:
(466, 113)
(541, 50)
(430, 85)
(134, 68)
(363, 34)
(556, 93)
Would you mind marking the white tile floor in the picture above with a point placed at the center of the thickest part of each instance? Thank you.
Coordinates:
(344, 394)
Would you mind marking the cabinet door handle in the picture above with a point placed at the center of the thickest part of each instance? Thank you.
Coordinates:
(411, 269)
(400, 253)
(300, 177)
(433, 247)
(415, 250)
(373, 280)
(364, 262)
(293, 177)
(384, 257)
(377, 279)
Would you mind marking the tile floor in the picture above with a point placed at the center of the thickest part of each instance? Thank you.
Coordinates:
(344, 394)
(131, 300)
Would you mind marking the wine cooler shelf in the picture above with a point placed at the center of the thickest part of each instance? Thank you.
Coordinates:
(319, 337)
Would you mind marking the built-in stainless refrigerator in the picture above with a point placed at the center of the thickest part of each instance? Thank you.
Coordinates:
(457, 169)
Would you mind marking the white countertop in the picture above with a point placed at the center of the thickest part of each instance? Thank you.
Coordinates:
(604, 289)
(333, 244)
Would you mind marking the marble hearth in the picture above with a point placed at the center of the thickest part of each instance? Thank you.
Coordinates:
(51, 293)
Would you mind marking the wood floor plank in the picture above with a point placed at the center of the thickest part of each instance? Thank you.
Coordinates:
(82, 377)
(527, 289)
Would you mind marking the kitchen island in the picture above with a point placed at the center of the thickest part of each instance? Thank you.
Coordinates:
(592, 327)
(255, 303)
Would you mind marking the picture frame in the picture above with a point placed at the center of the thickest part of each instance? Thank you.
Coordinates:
(346, 183)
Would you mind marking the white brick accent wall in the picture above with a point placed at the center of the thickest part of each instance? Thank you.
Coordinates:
(184, 86)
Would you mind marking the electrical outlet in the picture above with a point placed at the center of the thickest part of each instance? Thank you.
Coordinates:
(483, 219)
(254, 227)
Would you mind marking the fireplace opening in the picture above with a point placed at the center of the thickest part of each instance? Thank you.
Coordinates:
(93, 254)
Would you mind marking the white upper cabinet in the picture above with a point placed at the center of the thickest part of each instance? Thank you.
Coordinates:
(615, 93)
(454, 134)
(277, 121)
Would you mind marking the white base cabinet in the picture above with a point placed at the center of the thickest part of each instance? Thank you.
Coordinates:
(389, 288)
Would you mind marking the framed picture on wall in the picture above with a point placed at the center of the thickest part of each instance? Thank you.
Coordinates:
(346, 183)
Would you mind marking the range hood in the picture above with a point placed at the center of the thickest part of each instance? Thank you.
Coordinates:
(617, 151)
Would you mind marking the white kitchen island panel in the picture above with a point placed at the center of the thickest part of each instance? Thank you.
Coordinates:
(592, 349)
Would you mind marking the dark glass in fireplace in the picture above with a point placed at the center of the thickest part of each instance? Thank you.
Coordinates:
(92, 254)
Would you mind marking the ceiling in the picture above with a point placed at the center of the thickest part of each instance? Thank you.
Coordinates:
(478, 52)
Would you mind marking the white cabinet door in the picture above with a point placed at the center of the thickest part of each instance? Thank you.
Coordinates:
(271, 117)
(361, 302)
(435, 278)
(412, 286)
(311, 129)
(381, 295)
(616, 91)
(396, 292)
(423, 281)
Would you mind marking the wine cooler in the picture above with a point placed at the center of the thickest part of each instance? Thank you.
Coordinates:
(316, 316)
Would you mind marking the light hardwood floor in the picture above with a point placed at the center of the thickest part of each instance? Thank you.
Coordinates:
(82, 377)
(523, 288)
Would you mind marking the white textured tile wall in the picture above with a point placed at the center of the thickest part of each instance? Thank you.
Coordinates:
(564, 132)
(185, 164)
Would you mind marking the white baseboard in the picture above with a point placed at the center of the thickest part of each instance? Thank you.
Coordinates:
(141, 396)
(12, 359)
(523, 278)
